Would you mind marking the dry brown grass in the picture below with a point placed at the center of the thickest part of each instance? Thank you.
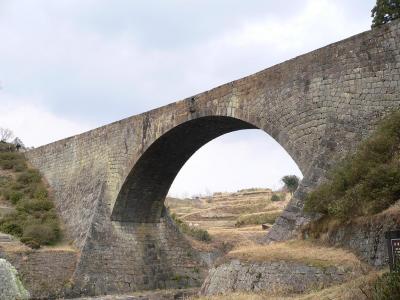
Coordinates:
(218, 216)
(237, 236)
(233, 204)
(18, 247)
(298, 251)
(236, 296)
(14, 247)
(323, 228)
(357, 289)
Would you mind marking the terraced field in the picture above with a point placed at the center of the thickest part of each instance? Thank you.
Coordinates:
(232, 218)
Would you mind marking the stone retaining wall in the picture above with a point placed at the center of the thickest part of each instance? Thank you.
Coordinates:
(366, 236)
(280, 277)
(45, 274)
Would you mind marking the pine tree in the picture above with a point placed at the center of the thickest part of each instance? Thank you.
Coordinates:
(385, 11)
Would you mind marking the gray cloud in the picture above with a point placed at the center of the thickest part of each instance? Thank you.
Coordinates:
(100, 61)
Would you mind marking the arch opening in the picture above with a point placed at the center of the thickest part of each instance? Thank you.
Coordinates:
(141, 198)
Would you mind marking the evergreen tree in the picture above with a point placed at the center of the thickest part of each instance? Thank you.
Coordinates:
(385, 11)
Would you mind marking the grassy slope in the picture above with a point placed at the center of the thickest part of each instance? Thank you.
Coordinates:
(26, 207)
(306, 252)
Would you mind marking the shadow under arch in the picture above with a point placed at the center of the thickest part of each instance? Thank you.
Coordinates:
(142, 195)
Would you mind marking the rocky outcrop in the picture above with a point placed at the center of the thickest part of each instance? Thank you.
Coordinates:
(11, 287)
(365, 236)
(275, 277)
(45, 273)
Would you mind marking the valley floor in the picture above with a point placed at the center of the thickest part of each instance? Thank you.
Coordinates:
(245, 268)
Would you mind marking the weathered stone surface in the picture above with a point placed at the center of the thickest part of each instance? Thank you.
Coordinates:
(366, 237)
(11, 287)
(45, 274)
(273, 277)
(110, 180)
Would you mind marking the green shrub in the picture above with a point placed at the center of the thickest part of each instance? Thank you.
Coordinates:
(15, 196)
(275, 197)
(19, 166)
(197, 233)
(366, 182)
(387, 287)
(11, 227)
(43, 234)
(32, 205)
(257, 218)
(35, 220)
(30, 242)
(6, 164)
(11, 160)
(29, 176)
(41, 193)
(5, 181)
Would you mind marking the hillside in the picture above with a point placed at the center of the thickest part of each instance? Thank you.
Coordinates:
(293, 269)
(230, 218)
(26, 206)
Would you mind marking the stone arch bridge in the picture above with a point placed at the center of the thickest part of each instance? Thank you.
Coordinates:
(110, 183)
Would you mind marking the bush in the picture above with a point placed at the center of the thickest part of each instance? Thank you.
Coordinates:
(275, 197)
(11, 160)
(35, 219)
(29, 176)
(197, 233)
(5, 181)
(387, 287)
(30, 242)
(15, 196)
(11, 227)
(41, 193)
(366, 182)
(19, 166)
(257, 218)
(32, 205)
(42, 234)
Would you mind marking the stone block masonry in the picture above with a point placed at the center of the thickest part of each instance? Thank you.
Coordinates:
(45, 274)
(110, 183)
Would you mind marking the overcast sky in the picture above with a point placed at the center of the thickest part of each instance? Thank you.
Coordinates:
(68, 66)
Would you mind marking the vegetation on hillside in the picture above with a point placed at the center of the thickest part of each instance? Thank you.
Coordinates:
(387, 287)
(300, 251)
(34, 220)
(276, 197)
(366, 182)
(268, 217)
(195, 232)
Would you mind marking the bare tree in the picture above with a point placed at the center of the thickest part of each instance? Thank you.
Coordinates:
(5, 134)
